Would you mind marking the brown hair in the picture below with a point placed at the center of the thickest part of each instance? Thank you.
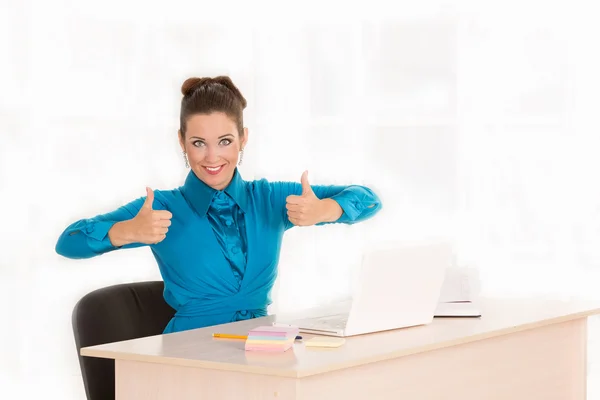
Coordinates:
(207, 95)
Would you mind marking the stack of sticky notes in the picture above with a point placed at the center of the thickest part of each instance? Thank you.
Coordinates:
(271, 338)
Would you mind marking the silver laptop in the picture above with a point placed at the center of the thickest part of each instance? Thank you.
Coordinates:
(398, 288)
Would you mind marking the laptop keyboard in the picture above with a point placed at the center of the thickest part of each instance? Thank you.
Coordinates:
(337, 321)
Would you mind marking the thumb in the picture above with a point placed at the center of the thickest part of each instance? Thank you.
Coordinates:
(149, 199)
(306, 189)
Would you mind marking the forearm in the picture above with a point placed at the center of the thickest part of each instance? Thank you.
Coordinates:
(341, 204)
(84, 239)
(358, 204)
(94, 236)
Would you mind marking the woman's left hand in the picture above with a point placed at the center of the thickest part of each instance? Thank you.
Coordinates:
(307, 209)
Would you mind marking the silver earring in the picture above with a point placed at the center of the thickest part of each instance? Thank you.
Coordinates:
(187, 164)
(241, 157)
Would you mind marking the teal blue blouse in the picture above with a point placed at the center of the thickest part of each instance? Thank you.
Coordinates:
(219, 259)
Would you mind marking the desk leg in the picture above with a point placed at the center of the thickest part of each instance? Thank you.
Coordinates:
(546, 363)
(150, 381)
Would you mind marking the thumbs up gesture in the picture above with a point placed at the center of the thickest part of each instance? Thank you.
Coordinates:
(150, 226)
(307, 209)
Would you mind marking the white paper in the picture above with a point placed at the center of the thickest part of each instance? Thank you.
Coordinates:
(460, 284)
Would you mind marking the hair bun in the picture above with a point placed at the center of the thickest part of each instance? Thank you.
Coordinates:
(227, 82)
(192, 84)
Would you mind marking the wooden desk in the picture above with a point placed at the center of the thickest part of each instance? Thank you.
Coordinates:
(519, 349)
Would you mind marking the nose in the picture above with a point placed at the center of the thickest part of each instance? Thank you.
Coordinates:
(212, 155)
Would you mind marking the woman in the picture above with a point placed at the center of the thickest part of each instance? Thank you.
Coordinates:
(217, 238)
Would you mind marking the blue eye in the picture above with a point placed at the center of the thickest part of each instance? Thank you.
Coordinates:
(226, 142)
(198, 143)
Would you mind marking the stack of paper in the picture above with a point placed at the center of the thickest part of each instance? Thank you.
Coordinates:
(460, 293)
(271, 338)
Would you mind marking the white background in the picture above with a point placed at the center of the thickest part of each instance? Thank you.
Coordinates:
(472, 121)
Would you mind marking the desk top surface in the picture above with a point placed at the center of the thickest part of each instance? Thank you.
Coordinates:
(197, 348)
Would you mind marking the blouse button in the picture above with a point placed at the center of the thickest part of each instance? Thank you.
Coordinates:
(243, 313)
(228, 222)
(235, 250)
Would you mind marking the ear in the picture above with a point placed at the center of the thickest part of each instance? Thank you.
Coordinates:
(245, 138)
(181, 142)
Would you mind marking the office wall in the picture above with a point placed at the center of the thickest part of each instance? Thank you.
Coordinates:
(471, 122)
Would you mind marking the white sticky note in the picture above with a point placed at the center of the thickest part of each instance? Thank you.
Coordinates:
(324, 341)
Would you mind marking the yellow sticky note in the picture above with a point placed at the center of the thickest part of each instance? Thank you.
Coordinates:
(324, 341)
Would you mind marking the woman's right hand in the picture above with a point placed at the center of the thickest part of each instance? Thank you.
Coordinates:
(148, 226)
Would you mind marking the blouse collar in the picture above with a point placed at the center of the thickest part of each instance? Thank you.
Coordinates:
(200, 195)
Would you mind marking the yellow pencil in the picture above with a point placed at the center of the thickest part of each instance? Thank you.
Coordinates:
(229, 336)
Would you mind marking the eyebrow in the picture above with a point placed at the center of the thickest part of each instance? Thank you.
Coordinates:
(220, 137)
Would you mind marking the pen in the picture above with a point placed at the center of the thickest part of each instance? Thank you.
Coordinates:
(230, 336)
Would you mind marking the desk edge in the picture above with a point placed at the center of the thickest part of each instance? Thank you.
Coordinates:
(92, 351)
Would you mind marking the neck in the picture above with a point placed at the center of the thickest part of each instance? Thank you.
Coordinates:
(220, 186)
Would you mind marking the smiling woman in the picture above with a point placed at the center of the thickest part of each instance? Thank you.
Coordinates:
(211, 130)
(217, 238)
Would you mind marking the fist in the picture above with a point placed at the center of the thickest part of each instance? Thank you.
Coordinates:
(150, 226)
(306, 209)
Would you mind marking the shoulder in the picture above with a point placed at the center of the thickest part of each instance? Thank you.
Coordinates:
(259, 188)
(272, 193)
(167, 194)
(258, 185)
(168, 198)
(265, 186)
(264, 190)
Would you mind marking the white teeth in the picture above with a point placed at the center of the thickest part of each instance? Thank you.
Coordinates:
(213, 169)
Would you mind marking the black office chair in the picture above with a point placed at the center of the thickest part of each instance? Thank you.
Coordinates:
(111, 314)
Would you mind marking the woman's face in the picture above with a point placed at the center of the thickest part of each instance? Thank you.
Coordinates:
(212, 145)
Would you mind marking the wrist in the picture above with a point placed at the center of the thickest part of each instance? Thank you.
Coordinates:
(332, 211)
(120, 234)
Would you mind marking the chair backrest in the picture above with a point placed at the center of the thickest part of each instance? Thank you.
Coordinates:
(112, 314)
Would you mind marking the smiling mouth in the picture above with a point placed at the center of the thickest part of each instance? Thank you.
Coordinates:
(214, 170)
